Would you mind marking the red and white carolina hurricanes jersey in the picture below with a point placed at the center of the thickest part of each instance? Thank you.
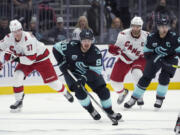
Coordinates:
(28, 48)
(131, 48)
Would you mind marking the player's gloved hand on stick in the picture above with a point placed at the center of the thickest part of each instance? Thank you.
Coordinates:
(8, 56)
(113, 49)
(82, 79)
(1, 65)
(64, 68)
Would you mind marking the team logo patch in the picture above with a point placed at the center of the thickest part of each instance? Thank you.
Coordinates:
(74, 57)
(168, 44)
(154, 44)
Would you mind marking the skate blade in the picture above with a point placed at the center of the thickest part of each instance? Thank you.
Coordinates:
(121, 120)
(156, 109)
(18, 110)
(140, 107)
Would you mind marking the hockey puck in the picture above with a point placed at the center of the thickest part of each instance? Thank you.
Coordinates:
(115, 124)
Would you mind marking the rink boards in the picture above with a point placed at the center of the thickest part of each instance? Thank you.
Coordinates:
(34, 83)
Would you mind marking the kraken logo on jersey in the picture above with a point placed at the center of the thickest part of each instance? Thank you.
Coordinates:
(81, 68)
(74, 57)
(161, 51)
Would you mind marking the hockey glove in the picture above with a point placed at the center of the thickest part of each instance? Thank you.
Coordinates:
(8, 56)
(63, 67)
(82, 79)
(1, 66)
(113, 49)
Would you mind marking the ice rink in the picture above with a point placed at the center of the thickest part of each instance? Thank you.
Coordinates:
(51, 114)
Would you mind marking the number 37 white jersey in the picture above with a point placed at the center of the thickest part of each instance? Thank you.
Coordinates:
(28, 48)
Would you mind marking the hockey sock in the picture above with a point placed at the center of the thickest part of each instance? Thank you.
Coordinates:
(18, 91)
(117, 86)
(138, 92)
(162, 90)
(107, 105)
(86, 103)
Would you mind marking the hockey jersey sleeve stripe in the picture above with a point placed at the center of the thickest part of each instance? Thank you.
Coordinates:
(42, 56)
(31, 57)
(98, 70)
(59, 48)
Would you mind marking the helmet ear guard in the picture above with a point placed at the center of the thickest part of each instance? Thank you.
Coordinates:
(15, 25)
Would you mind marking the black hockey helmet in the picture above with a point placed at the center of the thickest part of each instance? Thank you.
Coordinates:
(162, 19)
(86, 34)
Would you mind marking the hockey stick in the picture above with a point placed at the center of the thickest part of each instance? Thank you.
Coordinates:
(114, 122)
(170, 65)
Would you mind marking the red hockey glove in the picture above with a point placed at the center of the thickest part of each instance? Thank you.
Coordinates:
(8, 56)
(113, 49)
(1, 66)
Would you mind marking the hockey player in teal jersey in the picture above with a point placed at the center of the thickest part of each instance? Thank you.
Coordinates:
(162, 47)
(84, 60)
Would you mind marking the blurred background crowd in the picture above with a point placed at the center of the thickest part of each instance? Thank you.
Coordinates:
(55, 20)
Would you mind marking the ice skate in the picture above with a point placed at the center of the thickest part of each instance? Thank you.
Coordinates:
(158, 103)
(69, 97)
(16, 107)
(95, 115)
(115, 116)
(122, 96)
(130, 103)
(140, 102)
(177, 127)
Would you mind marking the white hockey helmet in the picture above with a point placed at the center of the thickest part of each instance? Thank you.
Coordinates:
(137, 21)
(15, 25)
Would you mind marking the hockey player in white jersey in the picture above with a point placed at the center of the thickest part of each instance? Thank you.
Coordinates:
(31, 55)
(129, 49)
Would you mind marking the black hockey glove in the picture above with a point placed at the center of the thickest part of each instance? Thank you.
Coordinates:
(82, 79)
(64, 68)
(17, 59)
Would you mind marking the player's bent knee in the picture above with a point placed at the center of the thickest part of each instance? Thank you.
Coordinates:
(103, 92)
(144, 81)
(116, 85)
(18, 78)
(136, 74)
(164, 80)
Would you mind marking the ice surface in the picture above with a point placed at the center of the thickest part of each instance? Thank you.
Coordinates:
(51, 114)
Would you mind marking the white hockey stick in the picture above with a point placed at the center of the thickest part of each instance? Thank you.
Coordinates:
(114, 122)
